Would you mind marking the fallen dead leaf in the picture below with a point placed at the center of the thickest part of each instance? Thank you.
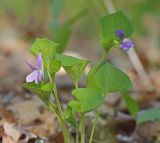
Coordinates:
(26, 111)
(13, 134)
(46, 125)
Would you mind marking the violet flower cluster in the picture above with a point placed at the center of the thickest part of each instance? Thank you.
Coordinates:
(126, 43)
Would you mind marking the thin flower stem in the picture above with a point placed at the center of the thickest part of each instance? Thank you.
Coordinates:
(57, 100)
(77, 134)
(94, 126)
(63, 124)
(97, 114)
(77, 129)
(67, 138)
(98, 64)
(83, 128)
(101, 59)
(52, 109)
(76, 85)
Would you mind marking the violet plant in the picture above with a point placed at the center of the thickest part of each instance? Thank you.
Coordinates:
(102, 79)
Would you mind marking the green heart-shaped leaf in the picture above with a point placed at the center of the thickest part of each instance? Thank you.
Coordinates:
(131, 104)
(88, 99)
(73, 66)
(55, 66)
(43, 91)
(108, 79)
(47, 48)
(148, 115)
(70, 116)
(112, 22)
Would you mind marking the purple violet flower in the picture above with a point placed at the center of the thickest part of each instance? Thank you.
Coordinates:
(120, 34)
(126, 44)
(36, 74)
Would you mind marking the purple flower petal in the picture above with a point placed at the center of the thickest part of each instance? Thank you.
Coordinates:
(36, 80)
(126, 44)
(39, 61)
(120, 33)
(30, 65)
(36, 75)
(39, 76)
(32, 76)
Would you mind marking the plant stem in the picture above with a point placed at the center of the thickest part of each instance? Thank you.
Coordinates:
(97, 114)
(67, 138)
(76, 84)
(63, 126)
(97, 65)
(94, 126)
(102, 59)
(57, 101)
(83, 128)
(77, 129)
(61, 118)
(77, 134)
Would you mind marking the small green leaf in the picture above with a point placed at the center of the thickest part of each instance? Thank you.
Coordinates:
(42, 90)
(69, 115)
(73, 66)
(112, 22)
(148, 115)
(88, 99)
(47, 48)
(131, 104)
(108, 79)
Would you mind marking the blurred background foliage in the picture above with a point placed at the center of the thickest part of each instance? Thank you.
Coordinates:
(40, 10)
(56, 19)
